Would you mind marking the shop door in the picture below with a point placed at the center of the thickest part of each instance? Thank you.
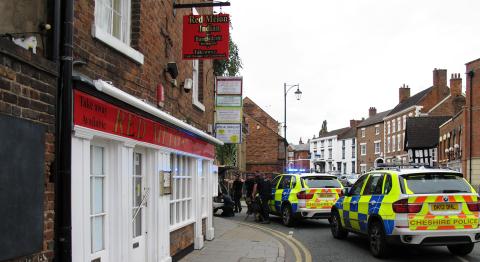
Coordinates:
(139, 206)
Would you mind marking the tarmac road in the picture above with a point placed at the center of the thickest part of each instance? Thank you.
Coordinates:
(315, 235)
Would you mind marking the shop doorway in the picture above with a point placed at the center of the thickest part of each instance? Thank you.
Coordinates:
(140, 195)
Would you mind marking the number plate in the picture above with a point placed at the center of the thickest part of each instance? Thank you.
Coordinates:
(445, 207)
(324, 195)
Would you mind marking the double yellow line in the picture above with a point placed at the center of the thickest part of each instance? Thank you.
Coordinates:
(294, 244)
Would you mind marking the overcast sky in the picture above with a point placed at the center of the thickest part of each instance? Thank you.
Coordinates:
(347, 55)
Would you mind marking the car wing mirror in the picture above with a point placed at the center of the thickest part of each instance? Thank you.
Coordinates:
(346, 191)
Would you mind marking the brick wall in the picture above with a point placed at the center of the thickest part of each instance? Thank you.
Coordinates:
(181, 239)
(451, 133)
(262, 148)
(157, 34)
(473, 108)
(369, 139)
(303, 164)
(27, 91)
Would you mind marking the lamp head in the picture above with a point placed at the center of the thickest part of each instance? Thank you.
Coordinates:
(298, 93)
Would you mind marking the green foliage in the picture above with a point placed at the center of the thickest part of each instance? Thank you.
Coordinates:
(227, 154)
(230, 67)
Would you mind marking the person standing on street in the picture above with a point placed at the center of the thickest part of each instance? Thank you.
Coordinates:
(237, 193)
(264, 188)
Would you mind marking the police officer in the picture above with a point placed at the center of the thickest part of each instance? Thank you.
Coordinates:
(237, 193)
(263, 187)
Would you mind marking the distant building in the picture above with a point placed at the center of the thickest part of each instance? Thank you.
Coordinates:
(370, 144)
(422, 137)
(299, 156)
(334, 151)
(432, 100)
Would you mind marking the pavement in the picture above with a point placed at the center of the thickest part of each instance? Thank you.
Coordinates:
(236, 241)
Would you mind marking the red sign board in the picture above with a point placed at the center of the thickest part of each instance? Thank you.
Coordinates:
(205, 36)
(94, 113)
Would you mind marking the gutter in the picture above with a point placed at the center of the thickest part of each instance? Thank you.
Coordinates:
(111, 90)
(470, 74)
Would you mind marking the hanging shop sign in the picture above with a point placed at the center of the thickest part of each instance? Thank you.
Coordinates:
(97, 114)
(229, 133)
(206, 36)
(235, 101)
(229, 85)
(229, 115)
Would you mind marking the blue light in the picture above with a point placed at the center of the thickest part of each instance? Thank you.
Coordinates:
(293, 170)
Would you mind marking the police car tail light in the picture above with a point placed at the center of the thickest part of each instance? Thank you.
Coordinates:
(304, 195)
(473, 206)
(402, 206)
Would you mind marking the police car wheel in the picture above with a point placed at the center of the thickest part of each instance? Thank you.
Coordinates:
(461, 249)
(378, 244)
(287, 217)
(336, 227)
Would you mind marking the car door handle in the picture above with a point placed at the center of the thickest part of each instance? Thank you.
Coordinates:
(354, 202)
(373, 202)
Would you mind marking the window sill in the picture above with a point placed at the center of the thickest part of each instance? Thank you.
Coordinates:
(113, 42)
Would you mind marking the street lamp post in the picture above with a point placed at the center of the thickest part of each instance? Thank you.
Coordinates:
(298, 94)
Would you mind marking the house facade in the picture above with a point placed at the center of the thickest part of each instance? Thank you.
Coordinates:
(370, 144)
(420, 104)
(265, 148)
(299, 157)
(471, 153)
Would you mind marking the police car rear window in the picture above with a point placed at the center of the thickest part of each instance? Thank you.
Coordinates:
(434, 183)
(321, 182)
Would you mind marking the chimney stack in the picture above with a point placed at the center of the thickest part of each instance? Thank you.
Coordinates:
(403, 93)
(300, 142)
(355, 123)
(372, 111)
(440, 77)
(455, 85)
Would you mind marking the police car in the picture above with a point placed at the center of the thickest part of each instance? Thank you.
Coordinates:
(297, 196)
(413, 206)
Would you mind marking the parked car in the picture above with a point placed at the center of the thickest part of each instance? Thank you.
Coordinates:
(298, 196)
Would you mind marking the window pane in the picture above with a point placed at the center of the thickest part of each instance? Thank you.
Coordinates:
(138, 191)
(96, 195)
(137, 223)
(96, 160)
(97, 233)
(117, 19)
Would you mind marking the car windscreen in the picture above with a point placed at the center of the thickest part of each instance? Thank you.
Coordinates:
(321, 182)
(436, 183)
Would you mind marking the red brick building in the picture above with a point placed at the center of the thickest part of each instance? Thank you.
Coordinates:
(451, 144)
(28, 91)
(370, 144)
(434, 99)
(299, 156)
(471, 154)
(265, 148)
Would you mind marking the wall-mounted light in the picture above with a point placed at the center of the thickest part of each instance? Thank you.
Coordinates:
(172, 69)
(187, 85)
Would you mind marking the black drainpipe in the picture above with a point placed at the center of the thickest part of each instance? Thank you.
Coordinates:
(63, 215)
(470, 74)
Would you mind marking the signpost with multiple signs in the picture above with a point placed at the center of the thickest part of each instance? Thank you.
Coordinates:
(228, 108)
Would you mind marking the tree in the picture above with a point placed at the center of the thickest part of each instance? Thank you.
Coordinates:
(227, 154)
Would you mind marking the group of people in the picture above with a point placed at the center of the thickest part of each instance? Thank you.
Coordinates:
(258, 192)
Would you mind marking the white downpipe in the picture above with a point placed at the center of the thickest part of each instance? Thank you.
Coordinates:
(111, 90)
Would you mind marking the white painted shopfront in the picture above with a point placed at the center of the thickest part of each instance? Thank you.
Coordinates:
(120, 207)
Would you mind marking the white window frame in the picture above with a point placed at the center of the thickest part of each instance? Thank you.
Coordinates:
(181, 199)
(195, 77)
(399, 123)
(393, 126)
(363, 149)
(404, 121)
(102, 254)
(398, 142)
(393, 143)
(377, 130)
(388, 144)
(121, 45)
(377, 147)
(388, 127)
(363, 132)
